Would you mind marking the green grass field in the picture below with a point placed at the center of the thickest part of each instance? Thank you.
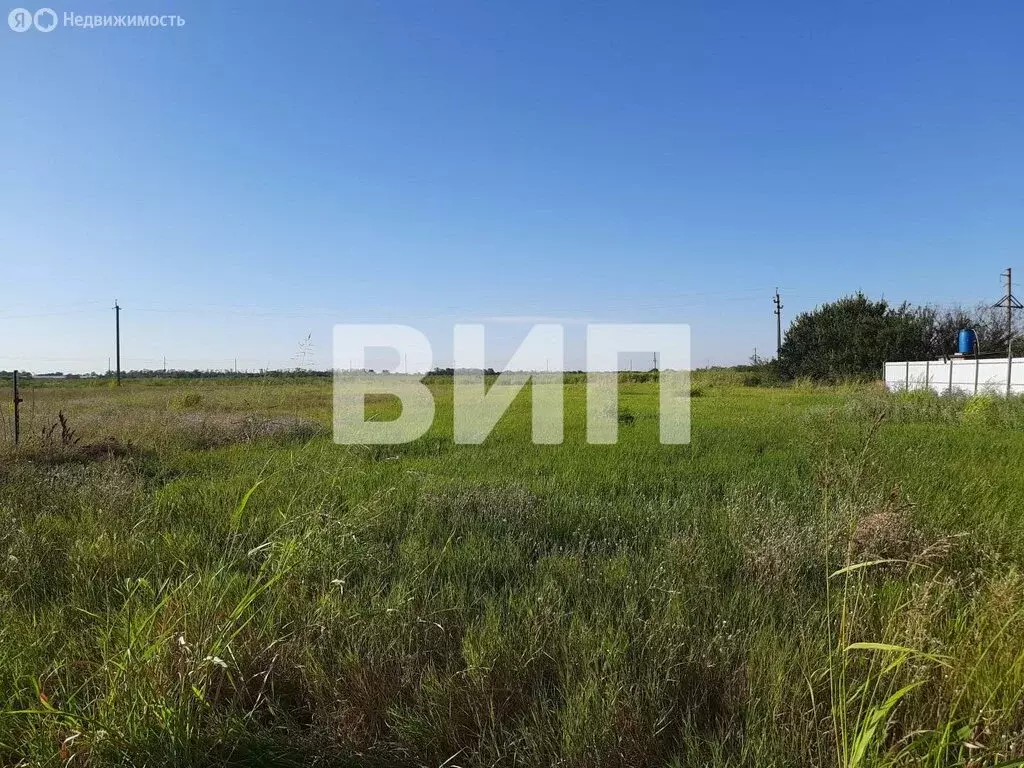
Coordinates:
(196, 575)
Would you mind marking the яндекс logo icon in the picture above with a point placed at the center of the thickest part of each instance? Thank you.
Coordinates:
(22, 19)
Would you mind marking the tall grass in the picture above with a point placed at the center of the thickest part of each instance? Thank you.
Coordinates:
(808, 583)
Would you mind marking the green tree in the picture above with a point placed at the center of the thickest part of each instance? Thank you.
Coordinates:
(853, 337)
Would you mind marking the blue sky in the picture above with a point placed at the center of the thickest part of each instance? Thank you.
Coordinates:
(268, 170)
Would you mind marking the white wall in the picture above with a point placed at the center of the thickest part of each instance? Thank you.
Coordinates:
(935, 374)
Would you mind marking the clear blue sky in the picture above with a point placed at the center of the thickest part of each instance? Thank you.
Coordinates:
(268, 170)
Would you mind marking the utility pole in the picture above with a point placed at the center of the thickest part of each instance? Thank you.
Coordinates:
(117, 333)
(777, 301)
(17, 411)
(1009, 301)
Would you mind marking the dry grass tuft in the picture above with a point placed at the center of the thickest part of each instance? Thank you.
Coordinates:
(885, 534)
(510, 504)
(210, 429)
(775, 547)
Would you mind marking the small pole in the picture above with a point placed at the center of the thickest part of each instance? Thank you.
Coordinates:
(977, 364)
(952, 362)
(117, 331)
(17, 411)
(906, 386)
(927, 374)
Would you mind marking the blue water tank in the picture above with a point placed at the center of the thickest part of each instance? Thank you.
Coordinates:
(967, 341)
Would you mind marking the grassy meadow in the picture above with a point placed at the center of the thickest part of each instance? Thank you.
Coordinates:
(193, 574)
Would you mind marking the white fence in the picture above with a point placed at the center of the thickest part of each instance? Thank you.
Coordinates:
(970, 376)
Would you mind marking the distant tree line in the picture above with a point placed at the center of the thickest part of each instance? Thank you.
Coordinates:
(853, 336)
(177, 374)
(450, 372)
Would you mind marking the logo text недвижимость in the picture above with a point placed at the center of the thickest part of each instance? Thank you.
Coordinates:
(47, 20)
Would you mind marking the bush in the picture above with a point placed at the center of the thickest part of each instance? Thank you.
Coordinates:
(853, 337)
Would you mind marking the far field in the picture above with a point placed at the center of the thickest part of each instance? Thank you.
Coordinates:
(194, 574)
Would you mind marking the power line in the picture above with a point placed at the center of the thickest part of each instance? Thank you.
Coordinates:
(50, 314)
(702, 297)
